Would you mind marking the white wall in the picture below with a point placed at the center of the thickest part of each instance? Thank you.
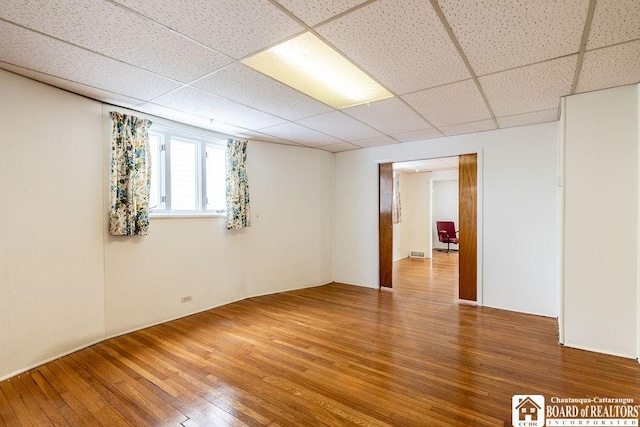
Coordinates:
(398, 253)
(51, 222)
(65, 283)
(505, 171)
(416, 214)
(444, 199)
(288, 246)
(601, 221)
(521, 210)
(291, 240)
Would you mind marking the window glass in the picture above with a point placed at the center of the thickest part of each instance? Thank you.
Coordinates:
(184, 175)
(187, 172)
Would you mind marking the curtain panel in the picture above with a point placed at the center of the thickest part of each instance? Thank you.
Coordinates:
(237, 186)
(130, 176)
(396, 211)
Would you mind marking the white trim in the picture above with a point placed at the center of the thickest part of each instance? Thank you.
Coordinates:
(638, 229)
(165, 215)
(561, 217)
(480, 228)
(430, 155)
(594, 350)
(50, 359)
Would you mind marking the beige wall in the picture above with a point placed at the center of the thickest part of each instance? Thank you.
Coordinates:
(415, 234)
(51, 223)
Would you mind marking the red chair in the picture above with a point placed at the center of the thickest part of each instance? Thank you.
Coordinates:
(447, 233)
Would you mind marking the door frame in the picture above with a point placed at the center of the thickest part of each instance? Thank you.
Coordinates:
(480, 209)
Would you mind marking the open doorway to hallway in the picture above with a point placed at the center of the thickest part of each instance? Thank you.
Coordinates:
(420, 228)
(428, 192)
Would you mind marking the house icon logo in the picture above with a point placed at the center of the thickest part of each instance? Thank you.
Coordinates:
(527, 410)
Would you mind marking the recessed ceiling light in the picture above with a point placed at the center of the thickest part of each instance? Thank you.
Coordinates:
(309, 65)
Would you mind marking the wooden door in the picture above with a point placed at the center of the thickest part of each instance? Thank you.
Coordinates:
(468, 218)
(385, 225)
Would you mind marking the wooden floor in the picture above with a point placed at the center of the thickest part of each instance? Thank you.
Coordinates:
(333, 355)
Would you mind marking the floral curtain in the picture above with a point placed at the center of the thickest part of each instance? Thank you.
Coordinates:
(130, 176)
(238, 211)
(396, 211)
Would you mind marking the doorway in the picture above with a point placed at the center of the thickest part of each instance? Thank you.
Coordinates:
(467, 175)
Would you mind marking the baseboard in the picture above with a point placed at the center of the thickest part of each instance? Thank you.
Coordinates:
(50, 359)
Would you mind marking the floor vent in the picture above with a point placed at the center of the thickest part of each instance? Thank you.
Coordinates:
(417, 254)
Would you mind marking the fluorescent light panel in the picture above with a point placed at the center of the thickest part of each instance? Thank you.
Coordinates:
(309, 65)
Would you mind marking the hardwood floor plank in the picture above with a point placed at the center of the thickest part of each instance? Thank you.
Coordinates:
(50, 396)
(90, 397)
(49, 372)
(332, 355)
(19, 414)
(8, 416)
(37, 402)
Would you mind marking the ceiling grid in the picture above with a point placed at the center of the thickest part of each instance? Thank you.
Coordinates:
(452, 67)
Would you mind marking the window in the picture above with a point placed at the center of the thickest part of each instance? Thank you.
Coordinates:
(188, 173)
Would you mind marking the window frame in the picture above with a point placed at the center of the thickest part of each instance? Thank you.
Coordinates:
(163, 156)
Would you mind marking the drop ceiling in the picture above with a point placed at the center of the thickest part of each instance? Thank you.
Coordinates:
(453, 66)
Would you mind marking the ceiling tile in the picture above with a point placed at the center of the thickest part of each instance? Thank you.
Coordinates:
(313, 12)
(614, 21)
(80, 89)
(300, 134)
(118, 33)
(337, 148)
(502, 34)
(339, 125)
(26, 49)
(189, 119)
(397, 42)
(418, 135)
(446, 105)
(528, 118)
(388, 116)
(233, 27)
(258, 136)
(611, 66)
(375, 142)
(220, 109)
(246, 86)
(532, 88)
(472, 127)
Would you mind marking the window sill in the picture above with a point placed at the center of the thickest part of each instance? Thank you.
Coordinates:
(188, 215)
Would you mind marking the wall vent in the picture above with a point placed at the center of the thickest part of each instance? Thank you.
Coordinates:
(417, 254)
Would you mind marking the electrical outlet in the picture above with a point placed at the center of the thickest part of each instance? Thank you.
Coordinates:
(186, 299)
